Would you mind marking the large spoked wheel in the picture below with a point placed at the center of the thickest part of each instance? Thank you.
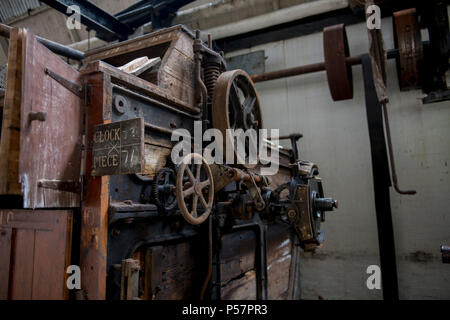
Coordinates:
(236, 106)
(194, 189)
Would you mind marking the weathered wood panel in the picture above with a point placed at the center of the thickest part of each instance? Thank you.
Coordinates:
(279, 258)
(94, 222)
(238, 264)
(10, 135)
(178, 277)
(243, 288)
(175, 75)
(132, 45)
(177, 70)
(237, 255)
(50, 147)
(5, 249)
(35, 262)
(139, 85)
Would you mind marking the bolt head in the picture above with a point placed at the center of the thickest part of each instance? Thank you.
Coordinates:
(292, 214)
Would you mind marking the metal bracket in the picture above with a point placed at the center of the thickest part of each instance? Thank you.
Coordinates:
(69, 85)
(256, 195)
(60, 185)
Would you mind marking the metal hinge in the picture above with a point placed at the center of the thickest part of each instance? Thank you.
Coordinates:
(69, 85)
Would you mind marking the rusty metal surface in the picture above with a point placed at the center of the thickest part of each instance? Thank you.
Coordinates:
(199, 187)
(51, 128)
(229, 112)
(408, 40)
(316, 67)
(339, 73)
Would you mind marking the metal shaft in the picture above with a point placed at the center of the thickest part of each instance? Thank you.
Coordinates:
(295, 71)
(311, 68)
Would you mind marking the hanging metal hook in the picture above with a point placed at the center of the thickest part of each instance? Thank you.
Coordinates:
(391, 154)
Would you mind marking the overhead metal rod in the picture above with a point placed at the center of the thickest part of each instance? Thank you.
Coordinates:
(51, 45)
(311, 68)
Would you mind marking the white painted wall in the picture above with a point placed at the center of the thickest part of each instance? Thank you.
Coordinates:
(336, 137)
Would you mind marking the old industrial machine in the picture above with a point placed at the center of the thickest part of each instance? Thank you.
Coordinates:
(88, 181)
(87, 178)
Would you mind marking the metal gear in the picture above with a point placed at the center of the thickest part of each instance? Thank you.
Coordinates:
(163, 189)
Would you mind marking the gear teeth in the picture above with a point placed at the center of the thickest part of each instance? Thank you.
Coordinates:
(155, 193)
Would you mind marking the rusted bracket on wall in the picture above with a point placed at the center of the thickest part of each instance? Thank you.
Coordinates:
(69, 85)
(60, 185)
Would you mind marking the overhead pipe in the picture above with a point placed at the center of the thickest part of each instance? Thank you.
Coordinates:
(5, 31)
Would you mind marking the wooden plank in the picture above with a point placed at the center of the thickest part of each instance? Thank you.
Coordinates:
(177, 71)
(50, 261)
(50, 149)
(160, 36)
(237, 255)
(153, 273)
(179, 272)
(5, 253)
(176, 87)
(238, 263)
(40, 247)
(243, 288)
(94, 215)
(139, 85)
(279, 258)
(130, 280)
(22, 265)
(140, 65)
(10, 135)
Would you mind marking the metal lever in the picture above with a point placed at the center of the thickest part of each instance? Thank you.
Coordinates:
(293, 137)
(391, 154)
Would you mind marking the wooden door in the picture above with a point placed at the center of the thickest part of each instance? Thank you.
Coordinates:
(50, 130)
(35, 248)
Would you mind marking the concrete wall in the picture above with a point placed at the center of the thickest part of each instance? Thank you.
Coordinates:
(336, 137)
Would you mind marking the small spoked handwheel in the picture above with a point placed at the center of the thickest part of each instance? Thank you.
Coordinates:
(195, 188)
